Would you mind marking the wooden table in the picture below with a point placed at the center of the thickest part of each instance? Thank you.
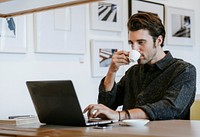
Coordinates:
(168, 128)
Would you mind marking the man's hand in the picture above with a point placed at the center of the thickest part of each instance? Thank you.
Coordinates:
(118, 59)
(100, 111)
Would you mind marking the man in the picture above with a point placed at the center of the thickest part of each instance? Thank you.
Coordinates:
(159, 87)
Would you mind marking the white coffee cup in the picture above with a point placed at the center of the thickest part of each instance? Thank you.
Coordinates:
(134, 55)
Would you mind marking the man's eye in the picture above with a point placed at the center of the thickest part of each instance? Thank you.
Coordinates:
(141, 42)
(130, 44)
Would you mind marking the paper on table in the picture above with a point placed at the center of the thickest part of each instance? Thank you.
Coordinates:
(19, 121)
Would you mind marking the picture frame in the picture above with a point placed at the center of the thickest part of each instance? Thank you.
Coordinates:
(136, 6)
(106, 15)
(101, 55)
(180, 26)
(13, 35)
(55, 30)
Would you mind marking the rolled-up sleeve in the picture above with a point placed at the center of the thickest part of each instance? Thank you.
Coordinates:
(111, 99)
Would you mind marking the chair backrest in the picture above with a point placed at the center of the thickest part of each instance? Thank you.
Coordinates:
(195, 109)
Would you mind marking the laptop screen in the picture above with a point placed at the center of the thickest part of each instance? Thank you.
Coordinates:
(56, 102)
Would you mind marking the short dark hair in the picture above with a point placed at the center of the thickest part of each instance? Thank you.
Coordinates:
(147, 21)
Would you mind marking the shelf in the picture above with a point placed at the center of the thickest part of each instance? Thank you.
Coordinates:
(10, 8)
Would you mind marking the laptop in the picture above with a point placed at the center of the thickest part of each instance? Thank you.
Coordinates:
(56, 103)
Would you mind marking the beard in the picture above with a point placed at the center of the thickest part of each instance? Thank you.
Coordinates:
(143, 61)
(147, 59)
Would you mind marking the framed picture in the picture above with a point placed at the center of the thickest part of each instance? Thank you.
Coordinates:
(136, 6)
(180, 26)
(106, 15)
(13, 34)
(101, 56)
(55, 30)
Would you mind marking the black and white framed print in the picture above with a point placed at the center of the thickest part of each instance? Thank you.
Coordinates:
(136, 6)
(179, 26)
(106, 15)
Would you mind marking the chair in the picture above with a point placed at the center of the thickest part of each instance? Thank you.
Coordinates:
(195, 109)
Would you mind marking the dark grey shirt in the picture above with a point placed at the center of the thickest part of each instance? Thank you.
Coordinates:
(165, 90)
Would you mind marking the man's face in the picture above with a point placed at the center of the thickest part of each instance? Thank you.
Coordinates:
(143, 42)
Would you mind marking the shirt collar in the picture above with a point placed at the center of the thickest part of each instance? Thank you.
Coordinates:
(163, 63)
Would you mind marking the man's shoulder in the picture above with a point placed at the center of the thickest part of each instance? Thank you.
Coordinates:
(180, 63)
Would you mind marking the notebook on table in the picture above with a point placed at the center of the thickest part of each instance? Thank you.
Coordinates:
(56, 103)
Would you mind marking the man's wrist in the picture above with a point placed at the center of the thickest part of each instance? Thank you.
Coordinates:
(127, 114)
(123, 115)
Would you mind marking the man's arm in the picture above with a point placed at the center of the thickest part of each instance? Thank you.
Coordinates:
(109, 81)
(135, 113)
(102, 111)
(118, 59)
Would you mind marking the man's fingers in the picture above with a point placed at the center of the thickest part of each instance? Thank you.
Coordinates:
(88, 108)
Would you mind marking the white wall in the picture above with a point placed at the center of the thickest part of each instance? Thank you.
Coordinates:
(15, 69)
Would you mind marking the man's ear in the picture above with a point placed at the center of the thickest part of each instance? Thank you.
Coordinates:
(159, 40)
